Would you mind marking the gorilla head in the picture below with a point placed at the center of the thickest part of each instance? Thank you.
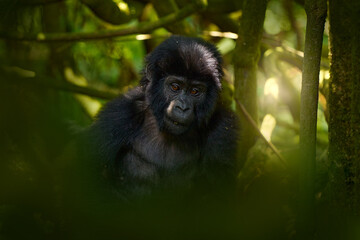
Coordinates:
(182, 79)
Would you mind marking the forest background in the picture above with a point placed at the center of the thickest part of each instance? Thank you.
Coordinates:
(292, 74)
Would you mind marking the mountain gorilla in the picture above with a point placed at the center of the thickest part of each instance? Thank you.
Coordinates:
(171, 131)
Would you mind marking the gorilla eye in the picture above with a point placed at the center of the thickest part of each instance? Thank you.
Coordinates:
(194, 91)
(175, 87)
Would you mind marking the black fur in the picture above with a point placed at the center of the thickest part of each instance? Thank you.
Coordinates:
(138, 151)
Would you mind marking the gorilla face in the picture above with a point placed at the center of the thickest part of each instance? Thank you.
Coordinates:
(182, 80)
(184, 96)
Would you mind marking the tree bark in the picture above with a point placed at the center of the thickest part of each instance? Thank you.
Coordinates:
(344, 102)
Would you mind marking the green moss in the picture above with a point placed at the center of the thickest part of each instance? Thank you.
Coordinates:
(343, 105)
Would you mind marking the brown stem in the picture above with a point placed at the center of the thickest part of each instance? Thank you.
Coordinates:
(254, 125)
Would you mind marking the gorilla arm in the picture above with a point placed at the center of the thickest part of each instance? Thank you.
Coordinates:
(220, 158)
(116, 127)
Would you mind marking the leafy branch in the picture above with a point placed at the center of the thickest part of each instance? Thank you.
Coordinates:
(140, 28)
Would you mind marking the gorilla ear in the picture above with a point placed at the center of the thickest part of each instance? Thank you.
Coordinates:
(148, 69)
(148, 72)
(154, 68)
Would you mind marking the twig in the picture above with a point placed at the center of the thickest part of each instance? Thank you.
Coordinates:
(38, 2)
(68, 87)
(292, 56)
(254, 125)
(140, 28)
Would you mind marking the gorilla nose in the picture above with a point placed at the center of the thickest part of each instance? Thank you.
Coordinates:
(182, 107)
(181, 112)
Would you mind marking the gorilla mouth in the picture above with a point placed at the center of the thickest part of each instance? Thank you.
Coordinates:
(175, 122)
(175, 127)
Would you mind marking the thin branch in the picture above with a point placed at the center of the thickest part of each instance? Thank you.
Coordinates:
(254, 125)
(285, 53)
(140, 28)
(316, 14)
(37, 2)
(69, 87)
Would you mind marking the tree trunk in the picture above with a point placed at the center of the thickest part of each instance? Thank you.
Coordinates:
(246, 57)
(344, 105)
